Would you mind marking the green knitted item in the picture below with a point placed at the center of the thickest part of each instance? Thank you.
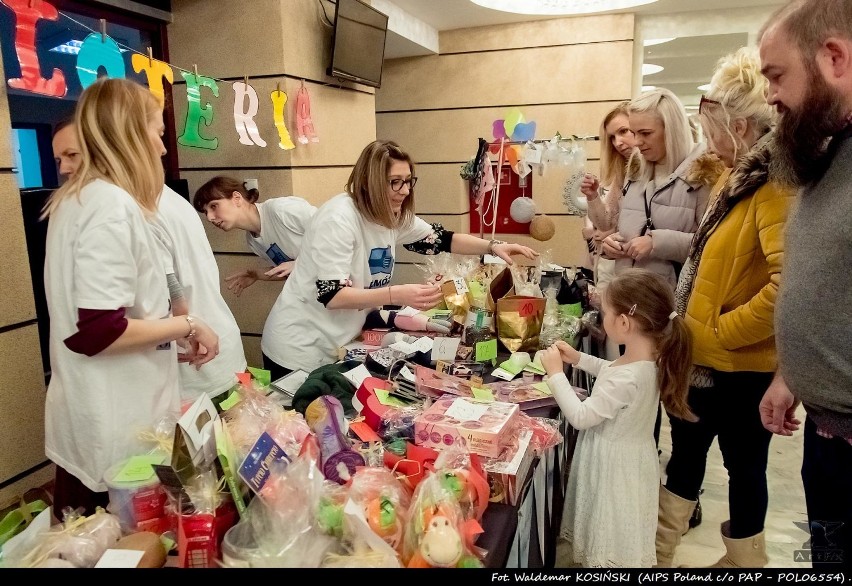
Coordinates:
(327, 380)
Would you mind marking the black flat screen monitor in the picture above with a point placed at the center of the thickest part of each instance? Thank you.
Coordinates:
(359, 43)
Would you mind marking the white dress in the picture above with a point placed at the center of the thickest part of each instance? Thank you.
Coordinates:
(610, 515)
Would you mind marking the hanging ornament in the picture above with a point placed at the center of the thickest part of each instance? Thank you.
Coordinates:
(575, 201)
(542, 228)
(522, 210)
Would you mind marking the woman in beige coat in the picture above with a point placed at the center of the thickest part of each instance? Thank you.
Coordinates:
(661, 208)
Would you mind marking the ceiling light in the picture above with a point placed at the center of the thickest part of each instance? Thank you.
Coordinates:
(704, 88)
(648, 88)
(559, 6)
(649, 42)
(651, 69)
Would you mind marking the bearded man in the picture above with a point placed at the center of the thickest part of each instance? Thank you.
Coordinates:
(806, 55)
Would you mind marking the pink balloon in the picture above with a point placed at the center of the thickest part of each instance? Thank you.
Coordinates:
(498, 130)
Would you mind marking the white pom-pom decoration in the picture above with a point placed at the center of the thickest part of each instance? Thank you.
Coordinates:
(522, 210)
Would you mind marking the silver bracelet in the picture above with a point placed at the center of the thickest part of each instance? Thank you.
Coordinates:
(492, 244)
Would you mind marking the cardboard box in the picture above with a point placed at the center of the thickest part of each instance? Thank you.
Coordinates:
(506, 477)
(483, 427)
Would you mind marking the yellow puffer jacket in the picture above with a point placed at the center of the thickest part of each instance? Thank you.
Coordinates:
(730, 313)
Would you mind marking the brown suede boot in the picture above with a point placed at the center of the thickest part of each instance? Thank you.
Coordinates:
(672, 522)
(748, 552)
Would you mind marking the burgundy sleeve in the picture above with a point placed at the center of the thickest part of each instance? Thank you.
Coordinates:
(97, 329)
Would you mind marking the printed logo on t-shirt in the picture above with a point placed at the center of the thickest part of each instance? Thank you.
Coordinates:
(381, 263)
(277, 255)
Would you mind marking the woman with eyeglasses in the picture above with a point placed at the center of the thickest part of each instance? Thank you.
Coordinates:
(726, 293)
(347, 262)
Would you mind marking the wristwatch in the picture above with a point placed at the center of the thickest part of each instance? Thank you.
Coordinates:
(492, 244)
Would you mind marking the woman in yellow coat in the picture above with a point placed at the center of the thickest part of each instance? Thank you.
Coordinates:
(726, 293)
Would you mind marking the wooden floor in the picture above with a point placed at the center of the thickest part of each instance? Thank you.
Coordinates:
(702, 545)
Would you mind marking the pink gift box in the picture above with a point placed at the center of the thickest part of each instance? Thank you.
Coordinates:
(486, 435)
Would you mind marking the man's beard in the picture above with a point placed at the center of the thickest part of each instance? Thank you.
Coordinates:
(802, 154)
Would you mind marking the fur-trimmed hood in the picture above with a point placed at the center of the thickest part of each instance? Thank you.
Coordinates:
(752, 172)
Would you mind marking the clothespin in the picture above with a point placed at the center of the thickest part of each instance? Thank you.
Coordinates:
(195, 71)
(245, 80)
(150, 57)
(278, 89)
(303, 84)
(103, 30)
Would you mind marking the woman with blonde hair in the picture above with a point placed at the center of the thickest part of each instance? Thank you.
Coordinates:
(617, 145)
(662, 207)
(347, 262)
(114, 367)
(726, 293)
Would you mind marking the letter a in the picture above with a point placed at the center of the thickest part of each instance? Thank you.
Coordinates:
(196, 112)
(244, 121)
(155, 71)
(278, 100)
(27, 14)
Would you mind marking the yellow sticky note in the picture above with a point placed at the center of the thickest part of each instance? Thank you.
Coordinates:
(482, 394)
(486, 350)
(385, 399)
(138, 468)
(543, 388)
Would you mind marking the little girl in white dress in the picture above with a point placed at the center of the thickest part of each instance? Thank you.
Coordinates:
(610, 516)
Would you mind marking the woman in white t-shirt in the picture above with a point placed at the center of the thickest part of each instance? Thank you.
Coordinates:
(274, 228)
(347, 262)
(113, 363)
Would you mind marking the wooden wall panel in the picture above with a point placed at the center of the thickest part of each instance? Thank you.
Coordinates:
(445, 136)
(538, 75)
(22, 394)
(16, 303)
(559, 31)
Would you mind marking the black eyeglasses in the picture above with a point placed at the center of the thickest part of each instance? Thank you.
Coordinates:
(706, 101)
(396, 184)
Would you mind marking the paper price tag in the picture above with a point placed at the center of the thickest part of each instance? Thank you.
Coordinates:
(385, 399)
(445, 348)
(466, 411)
(482, 394)
(461, 285)
(486, 350)
(357, 375)
(527, 309)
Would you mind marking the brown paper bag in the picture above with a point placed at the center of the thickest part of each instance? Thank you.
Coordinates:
(519, 321)
(501, 286)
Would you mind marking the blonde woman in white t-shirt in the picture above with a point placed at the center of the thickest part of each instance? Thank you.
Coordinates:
(347, 262)
(113, 360)
(274, 228)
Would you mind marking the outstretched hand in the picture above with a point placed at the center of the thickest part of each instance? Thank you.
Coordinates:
(281, 272)
(237, 282)
(506, 250)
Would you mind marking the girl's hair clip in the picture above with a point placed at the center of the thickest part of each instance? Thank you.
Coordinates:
(632, 310)
(250, 184)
